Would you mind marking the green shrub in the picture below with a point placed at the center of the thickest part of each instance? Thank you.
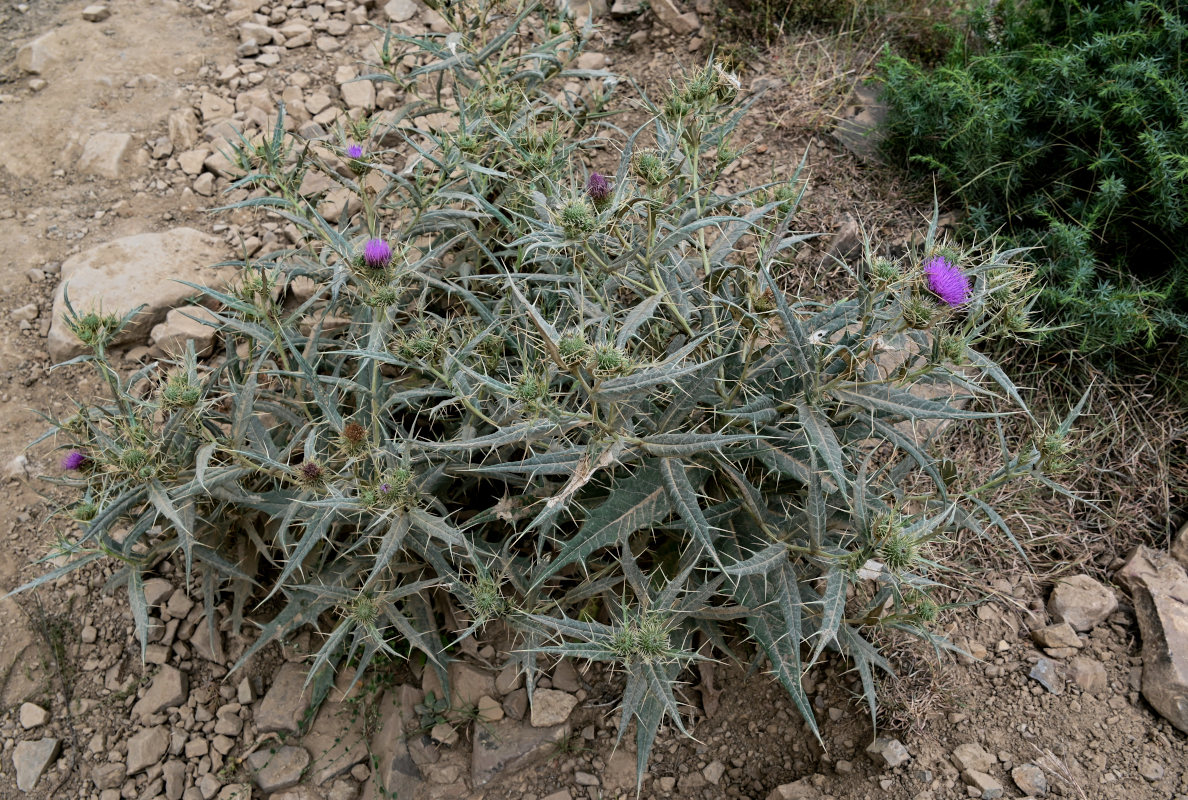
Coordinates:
(584, 411)
(1066, 123)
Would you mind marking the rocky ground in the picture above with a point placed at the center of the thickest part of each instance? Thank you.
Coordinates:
(113, 124)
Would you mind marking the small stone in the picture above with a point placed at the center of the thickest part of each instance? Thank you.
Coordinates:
(286, 702)
(204, 184)
(1046, 672)
(1082, 602)
(802, 789)
(551, 707)
(174, 773)
(1030, 779)
(33, 716)
(27, 312)
(108, 776)
(585, 779)
(401, 10)
(96, 13)
(515, 705)
(1088, 674)
(489, 709)
(506, 746)
(103, 154)
(563, 794)
(1150, 769)
(279, 769)
(444, 733)
(30, 759)
(565, 677)
(670, 15)
(358, 94)
(468, 684)
(987, 785)
(626, 8)
(509, 679)
(972, 756)
(36, 56)
(714, 771)
(147, 748)
(168, 689)
(1058, 635)
(888, 752)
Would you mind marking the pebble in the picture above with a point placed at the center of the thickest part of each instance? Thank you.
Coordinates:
(888, 752)
(31, 758)
(96, 13)
(33, 716)
(1030, 779)
(1046, 672)
(551, 707)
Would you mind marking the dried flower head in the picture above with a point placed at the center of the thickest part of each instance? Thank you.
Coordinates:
(947, 282)
(74, 460)
(310, 473)
(598, 188)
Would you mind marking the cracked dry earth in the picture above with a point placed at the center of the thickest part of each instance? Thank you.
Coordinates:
(110, 122)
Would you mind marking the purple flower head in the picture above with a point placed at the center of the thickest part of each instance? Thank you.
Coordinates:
(385, 488)
(74, 460)
(377, 253)
(355, 150)
(598, 188)
(311, 471)
(948, 282)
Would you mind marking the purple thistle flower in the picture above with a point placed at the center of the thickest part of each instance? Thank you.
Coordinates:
(598, 188)
(385, 488)
(355, 151)
(948, 282)
(377, 253)
(74, 460)
(311, 471)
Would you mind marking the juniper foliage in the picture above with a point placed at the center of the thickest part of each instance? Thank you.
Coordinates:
(598, 422)
(1066, 124)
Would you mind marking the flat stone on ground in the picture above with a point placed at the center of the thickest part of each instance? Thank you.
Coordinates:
(104, 153)
(278, 769)
(504, 747)
(551, 707)
(30, 759)
(147, 748)
(286, 702)
(33, 716)
(1082, 602)
(168, 689)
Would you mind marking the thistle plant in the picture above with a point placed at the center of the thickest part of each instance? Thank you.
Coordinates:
(610, 431)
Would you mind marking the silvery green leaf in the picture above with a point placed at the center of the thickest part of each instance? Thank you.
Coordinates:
(884, 399)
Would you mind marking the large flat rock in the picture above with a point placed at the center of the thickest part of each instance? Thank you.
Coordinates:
(118, 276)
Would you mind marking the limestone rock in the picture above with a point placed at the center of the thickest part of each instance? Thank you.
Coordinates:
(33, 716)
(988, 785)
(468, 684)
(168, 689)
(972, 756)
(1158, 587)
(280, 768)
(1082, 602)
(1030, 779)
(1058, 635)
(182, 325)
(551, 707)
(506, 746)
(802, 789)
(336, 738)
(104, 154)
(183, 129)
(358, 94)
(96, 13)
(30, 760)
(401, 10)
(147, 748)
(888, 753)
(396, 773)
(1087, 673)
(679, 20)
(36, 56)
(135, 270)
(284, 707)
(1046, 672)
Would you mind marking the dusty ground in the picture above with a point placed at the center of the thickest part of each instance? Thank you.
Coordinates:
(129, 71)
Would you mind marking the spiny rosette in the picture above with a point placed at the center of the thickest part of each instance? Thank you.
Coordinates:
(650, 168)
(608, 360)
(573, 349)
(178, 392)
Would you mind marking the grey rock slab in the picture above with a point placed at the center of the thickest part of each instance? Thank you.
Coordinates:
(468, 684)
(169, 688)
(1048, 674)
(140, 270)
(104, 154)
(565, 677)
(96, 13)
(147, 748)
(1030, 779)
(551, 707)
(972, 755)
(673, 16)
(279, 768)
(1158, 587)
(31, 758)
(1082, 602)
(861, 128)
(506, 746)
(988, 785)
(284, 706)
(802, 789)
(37, 55)
(183, 325)
(336, 739)
(1059, 635)
(396, 773)
(889, 753)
